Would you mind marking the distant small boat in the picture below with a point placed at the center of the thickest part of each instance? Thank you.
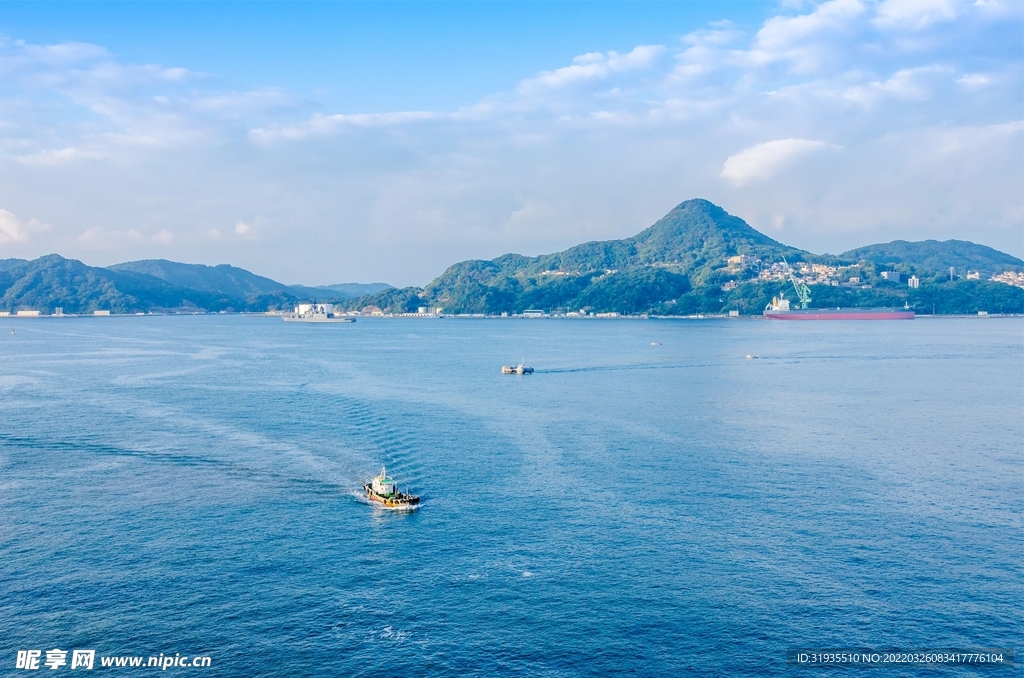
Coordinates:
(752, 357)
(517, 369)
(655, 343)
(384, 491)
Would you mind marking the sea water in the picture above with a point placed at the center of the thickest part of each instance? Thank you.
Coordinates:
(650, 501)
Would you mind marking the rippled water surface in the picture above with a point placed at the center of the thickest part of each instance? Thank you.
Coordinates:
(190, 485)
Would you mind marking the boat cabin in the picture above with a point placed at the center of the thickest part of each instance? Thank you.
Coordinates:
(383, 485)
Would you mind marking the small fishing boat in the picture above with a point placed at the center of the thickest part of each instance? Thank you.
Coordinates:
(384, 491)
(521, 368)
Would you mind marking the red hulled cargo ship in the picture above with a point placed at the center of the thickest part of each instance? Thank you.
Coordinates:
(779, 310)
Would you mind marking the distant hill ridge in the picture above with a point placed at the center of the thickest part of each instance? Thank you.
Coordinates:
(240, 283)
(935, 255)
(52, 281)
(223, 278)
(678, 265)
(340, 290)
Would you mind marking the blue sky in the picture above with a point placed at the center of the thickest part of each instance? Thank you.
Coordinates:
(371, 56)
(328, 142)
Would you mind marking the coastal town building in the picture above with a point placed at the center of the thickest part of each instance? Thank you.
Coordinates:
(777, 271)
(1009, 278)
(742, 260)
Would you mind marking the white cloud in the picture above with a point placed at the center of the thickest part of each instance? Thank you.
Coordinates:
(11, 228)
(60, 156)
(907, 84)
(98, 237)
(163, 237)
(997, 9)
(917, 14)
(96, 82)
(763, 161)
(594, 66)
(238, 104)
(97, 107)
(974, 80)
(532, 216)
(321, 125)
(63, 53)
(803, 40)
(706, 51)
(968, 140)
(245, 230)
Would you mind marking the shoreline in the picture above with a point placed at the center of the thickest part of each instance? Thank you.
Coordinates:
(474, 316)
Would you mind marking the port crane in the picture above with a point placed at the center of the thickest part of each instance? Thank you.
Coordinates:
(803, 292)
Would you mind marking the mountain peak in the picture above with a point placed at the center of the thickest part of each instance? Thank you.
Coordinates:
(700, 231)
(698, 203)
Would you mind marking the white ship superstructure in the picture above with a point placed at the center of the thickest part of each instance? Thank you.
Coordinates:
(317, 313)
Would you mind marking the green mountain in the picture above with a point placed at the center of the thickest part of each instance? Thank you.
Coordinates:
(936, 256)
(223, 278)
(680, 266)
(52, 281)
(688, 248)
(241, 284)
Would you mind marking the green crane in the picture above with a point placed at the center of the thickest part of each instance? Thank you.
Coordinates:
(803, 292)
